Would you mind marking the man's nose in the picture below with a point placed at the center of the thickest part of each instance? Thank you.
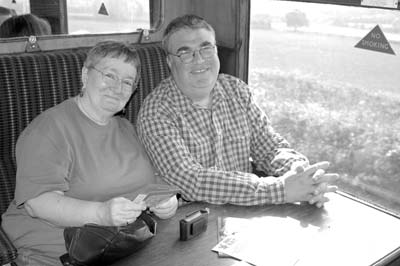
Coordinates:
(197, 57)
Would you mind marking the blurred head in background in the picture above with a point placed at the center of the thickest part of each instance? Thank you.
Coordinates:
(24, 25)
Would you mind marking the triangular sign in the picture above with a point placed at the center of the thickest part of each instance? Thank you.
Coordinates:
(375, 40)
(103, 10)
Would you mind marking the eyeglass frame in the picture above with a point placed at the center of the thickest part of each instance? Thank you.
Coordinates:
(193, 52)
(116, 80)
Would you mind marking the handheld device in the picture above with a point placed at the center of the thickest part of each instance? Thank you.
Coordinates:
(194, 224)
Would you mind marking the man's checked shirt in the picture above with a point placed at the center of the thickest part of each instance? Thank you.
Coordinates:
(206, 151)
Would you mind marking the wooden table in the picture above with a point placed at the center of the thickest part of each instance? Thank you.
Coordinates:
(349, 232)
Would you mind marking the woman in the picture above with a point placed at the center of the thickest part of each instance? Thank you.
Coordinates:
(76, 160)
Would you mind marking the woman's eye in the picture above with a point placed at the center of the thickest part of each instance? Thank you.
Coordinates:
(110, 76)
(128, 83)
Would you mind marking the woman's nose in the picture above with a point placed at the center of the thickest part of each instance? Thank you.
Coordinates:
(118, 86)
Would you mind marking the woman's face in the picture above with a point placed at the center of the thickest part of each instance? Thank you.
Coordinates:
(109, 85)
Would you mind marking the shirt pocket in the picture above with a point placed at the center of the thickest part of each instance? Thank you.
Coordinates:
(201, 149)
(237, 151)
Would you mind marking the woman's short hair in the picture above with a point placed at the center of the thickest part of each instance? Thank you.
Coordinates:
(189, 21)
(24, 25)
(114, 49)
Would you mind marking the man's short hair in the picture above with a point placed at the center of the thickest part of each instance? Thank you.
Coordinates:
(189, 21)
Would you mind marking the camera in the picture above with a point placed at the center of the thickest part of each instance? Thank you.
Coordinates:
(194, 224)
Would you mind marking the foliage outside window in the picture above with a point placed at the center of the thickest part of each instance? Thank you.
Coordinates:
(331, 100)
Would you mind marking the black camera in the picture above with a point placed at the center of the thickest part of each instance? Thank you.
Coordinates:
(194, 224)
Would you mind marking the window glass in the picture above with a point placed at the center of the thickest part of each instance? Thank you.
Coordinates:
(107, 16)
(20, 6)
(86, 16)
(331, 100)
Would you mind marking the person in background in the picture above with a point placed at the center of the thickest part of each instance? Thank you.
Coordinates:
(201, 128)
(24, 25)
(78, 163)
(6, 13)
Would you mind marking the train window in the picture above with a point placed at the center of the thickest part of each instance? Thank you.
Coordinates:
(76, 17)
(332, 100)
(107, 16)
(10, 8)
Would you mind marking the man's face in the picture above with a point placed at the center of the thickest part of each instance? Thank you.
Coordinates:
(195, 79)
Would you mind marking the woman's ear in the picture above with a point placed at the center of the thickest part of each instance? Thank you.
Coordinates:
(168, 61)
(84, 76)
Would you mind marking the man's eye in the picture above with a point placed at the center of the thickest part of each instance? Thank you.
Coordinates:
(208, 48)
(185, 53)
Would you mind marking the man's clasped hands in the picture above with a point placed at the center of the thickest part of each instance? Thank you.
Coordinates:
(304, 182)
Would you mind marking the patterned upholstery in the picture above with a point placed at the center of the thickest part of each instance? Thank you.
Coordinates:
(7, 250)
(33, 82)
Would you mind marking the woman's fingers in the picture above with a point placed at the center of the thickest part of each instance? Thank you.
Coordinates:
(123, 211)
(166, 209)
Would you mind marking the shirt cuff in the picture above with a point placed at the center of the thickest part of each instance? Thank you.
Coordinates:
(273, 190)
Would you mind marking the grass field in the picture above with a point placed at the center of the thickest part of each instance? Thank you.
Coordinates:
(326, 57)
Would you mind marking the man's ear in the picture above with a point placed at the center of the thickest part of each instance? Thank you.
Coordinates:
(84, 76)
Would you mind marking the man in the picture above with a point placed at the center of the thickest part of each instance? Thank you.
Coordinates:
(201, 128)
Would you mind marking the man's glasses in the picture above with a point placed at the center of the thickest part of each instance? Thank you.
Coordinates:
(113, 80)
(187, 57)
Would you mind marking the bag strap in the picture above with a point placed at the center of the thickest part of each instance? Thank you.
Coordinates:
(151, 223)
(66, 260)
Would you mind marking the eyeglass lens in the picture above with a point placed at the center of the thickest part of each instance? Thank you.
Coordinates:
(113, 80)
(205, 52)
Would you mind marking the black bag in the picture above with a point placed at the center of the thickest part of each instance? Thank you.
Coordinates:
(93, 244)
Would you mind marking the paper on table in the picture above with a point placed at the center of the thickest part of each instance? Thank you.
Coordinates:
(262, 241)
(229, 226)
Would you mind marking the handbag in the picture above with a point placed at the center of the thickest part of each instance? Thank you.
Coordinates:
(98, 245)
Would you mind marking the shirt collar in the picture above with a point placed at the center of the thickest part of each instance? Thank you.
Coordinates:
(185, 104)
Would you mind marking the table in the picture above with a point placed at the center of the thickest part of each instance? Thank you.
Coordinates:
(349, 232)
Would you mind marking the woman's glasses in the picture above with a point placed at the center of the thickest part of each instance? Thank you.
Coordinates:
(113, 80)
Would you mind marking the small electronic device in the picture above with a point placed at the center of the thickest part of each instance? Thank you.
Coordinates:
(194, 224)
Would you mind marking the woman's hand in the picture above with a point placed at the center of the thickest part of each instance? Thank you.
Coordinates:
(166, 209)
(120, 211)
